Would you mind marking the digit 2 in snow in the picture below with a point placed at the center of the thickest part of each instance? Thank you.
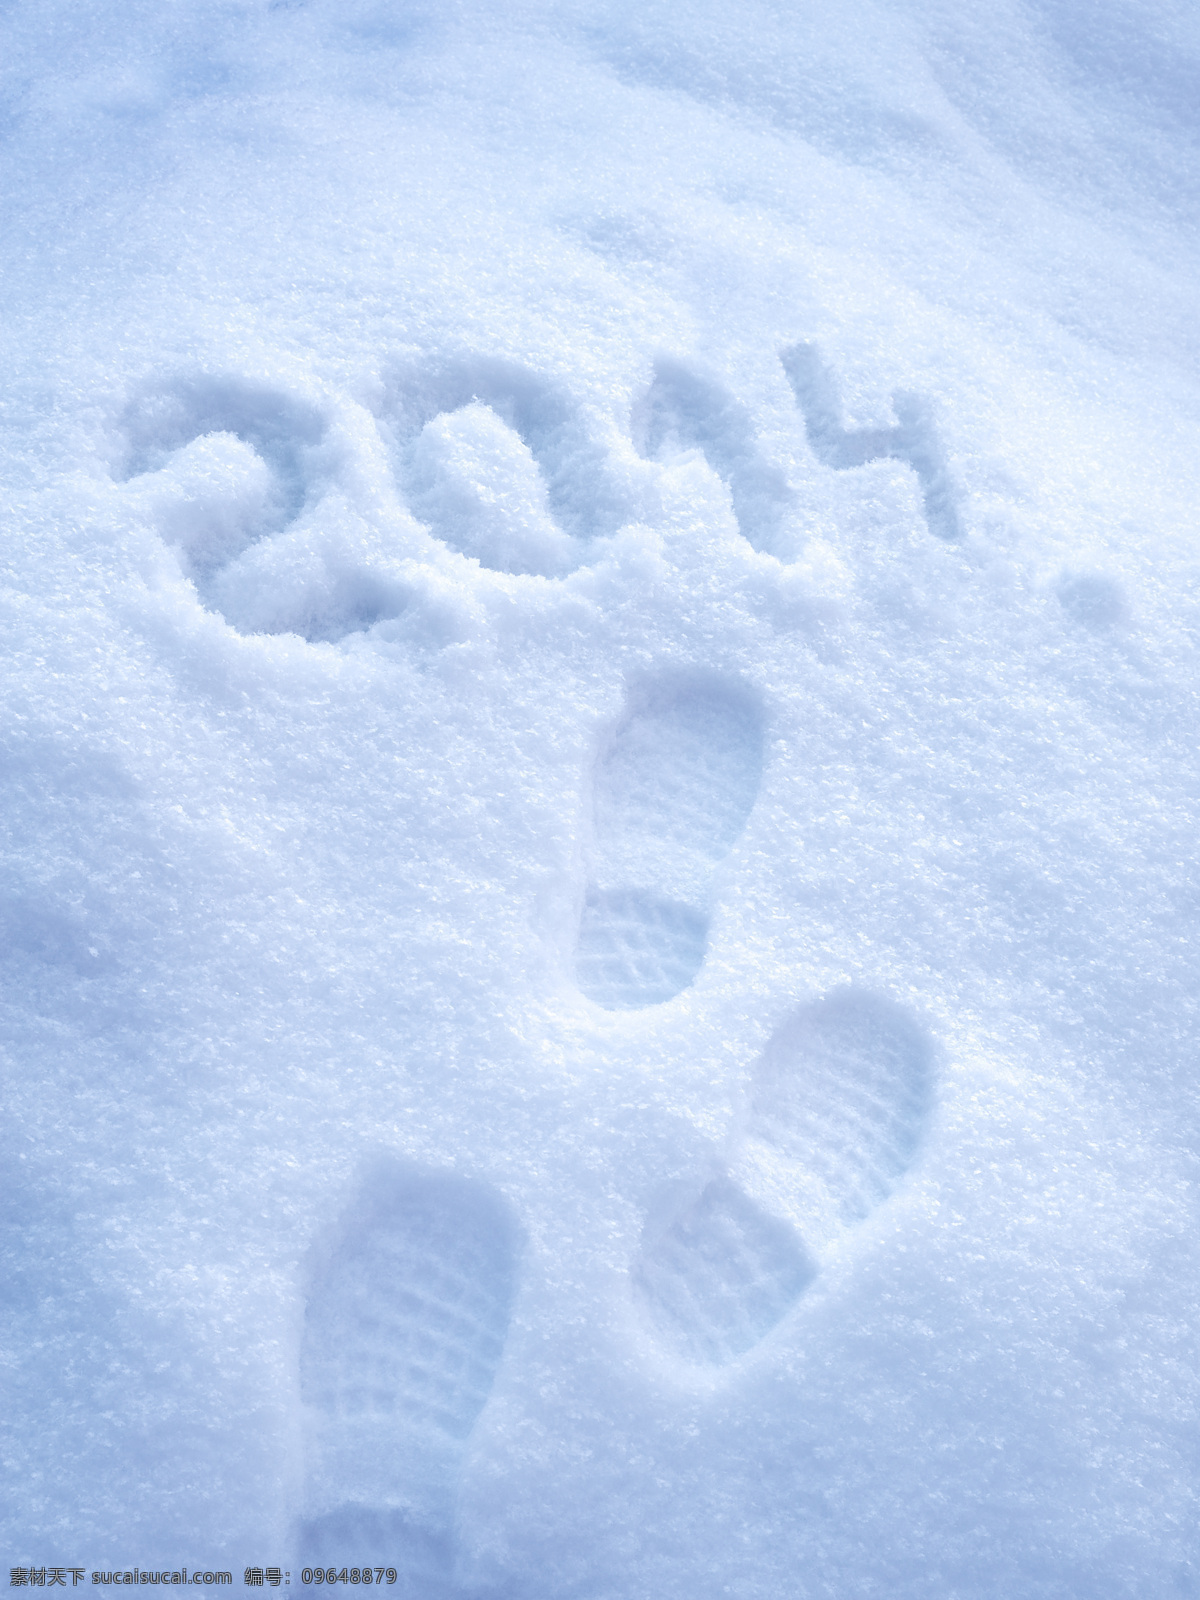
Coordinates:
(231, 470)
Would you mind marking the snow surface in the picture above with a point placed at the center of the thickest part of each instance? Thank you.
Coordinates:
(601, 806)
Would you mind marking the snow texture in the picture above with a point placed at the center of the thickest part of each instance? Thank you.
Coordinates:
(600, 793)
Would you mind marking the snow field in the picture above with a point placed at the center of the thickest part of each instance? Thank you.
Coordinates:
(601, 796)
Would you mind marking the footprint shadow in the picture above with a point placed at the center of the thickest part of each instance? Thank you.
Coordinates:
(840, 1101)
(498, 462)
(228, 468)
(914, 439)
(406, 1321)
(671, 793)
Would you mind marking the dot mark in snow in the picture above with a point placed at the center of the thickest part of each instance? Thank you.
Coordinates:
(687, 410)
(841, 1097)
(913, 440)
(671, 794)
(404, 1332)
(1092, 600)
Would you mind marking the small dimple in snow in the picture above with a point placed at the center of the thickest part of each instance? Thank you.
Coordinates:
(1092, 599)
(278, 428)
(671, 794)
(843, 1090)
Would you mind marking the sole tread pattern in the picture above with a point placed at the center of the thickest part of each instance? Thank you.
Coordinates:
(404, 1333)
(842, 1091)
(845, 1088)
(672, 793)
(721, 1275)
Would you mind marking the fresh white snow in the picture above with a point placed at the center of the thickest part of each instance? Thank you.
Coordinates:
(601, 794)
